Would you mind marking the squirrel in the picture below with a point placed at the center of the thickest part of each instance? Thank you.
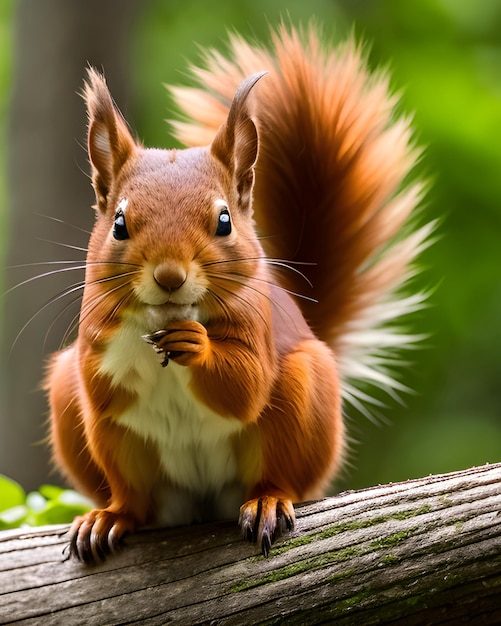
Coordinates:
(233, 290)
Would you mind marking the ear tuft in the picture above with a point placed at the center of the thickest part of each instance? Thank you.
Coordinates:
(236, 142)
(110, 143)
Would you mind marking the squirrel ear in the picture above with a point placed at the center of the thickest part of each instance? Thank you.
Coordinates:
(236, 141)
(110, 143)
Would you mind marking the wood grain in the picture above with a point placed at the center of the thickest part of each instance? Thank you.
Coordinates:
(426, 551)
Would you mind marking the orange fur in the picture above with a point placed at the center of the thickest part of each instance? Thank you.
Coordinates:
(249, 398)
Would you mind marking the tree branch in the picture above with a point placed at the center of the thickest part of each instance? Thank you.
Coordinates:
(426, 551)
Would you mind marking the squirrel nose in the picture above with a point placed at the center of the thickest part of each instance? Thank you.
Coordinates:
(169, 275)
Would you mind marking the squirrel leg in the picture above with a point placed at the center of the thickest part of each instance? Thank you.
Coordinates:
(131, 472)
(67, 433)
(302, 439)
(107, 462)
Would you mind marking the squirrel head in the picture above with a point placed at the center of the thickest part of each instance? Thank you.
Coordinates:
(174, 236)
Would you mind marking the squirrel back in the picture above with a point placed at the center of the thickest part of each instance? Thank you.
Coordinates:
(333, 191)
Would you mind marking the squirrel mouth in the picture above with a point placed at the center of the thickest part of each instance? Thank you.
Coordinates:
(159, 315)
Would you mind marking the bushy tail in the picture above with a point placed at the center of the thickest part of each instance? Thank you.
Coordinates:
(332, 187)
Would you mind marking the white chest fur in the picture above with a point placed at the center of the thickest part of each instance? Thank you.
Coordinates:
(193, 442)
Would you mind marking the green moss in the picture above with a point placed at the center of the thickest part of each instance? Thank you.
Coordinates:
(335, 578)
(446, 500)
(390, 559)
(392, 540)
(460, 522)
(293, 569)
(402, 515)
(296, 542)
(349, 526)
(345, 604)
(333, 556)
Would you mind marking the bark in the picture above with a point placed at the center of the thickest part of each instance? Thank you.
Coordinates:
(426, 551)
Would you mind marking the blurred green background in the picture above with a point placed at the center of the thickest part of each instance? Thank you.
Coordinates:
(445, 59)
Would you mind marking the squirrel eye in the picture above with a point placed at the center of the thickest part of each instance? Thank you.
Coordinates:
(223, 223)
(120, 231)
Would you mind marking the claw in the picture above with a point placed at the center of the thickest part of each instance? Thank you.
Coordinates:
(265, 519)
(97, 552)
(114, 539)
(96, 535)
(154, 338)
(67, 552)
(266, 544)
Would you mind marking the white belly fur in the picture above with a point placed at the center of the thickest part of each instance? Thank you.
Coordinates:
(194, 446)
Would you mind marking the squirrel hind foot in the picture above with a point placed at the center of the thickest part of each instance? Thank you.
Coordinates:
(97, 535)
(264, 520)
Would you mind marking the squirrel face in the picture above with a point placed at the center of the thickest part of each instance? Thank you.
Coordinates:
(172, 242)
(174, 238)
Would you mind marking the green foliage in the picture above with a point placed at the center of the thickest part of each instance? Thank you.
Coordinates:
(49, 505)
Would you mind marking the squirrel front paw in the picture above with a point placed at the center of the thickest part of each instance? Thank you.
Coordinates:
(263, 520)
(97, 534)
(184, 342)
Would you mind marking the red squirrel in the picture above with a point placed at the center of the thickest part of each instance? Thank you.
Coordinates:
(233, 289)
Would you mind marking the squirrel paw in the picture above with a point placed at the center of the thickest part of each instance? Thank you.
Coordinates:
(185, 342)
(263, 520)
(97, 534)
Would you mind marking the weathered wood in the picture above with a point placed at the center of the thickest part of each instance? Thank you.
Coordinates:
(425, 551)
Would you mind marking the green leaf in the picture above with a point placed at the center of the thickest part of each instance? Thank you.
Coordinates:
(51, 492)
(35, 501)
(11, 493)
(74, 499)
(13, 517)
(56, 513)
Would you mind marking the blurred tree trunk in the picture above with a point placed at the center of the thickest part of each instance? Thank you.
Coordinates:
(54, 42)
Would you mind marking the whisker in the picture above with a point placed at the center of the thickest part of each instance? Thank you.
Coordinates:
(39, 263)
(60, 221)
(61, 244)
(82, 314)
(91, 306)
(71, 326)
(62, 294)
(110, 315)
(260, 258)
(81, 266)
(223, 305)
(282, 263)
(44, 275)
(263, 237)
(238, 297)
(245, 284)
(113, 264)
(273, 284)
(69, 262)
(59, 296)
(286, 265)
(106, 279)
(118, 305)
